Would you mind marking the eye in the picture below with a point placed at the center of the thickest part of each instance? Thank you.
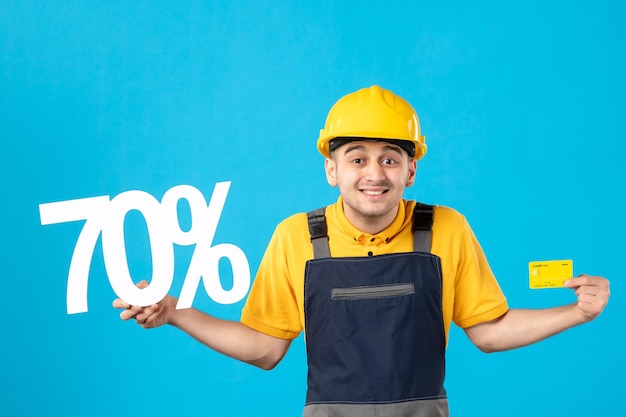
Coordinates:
(357, 160)
(388, 161)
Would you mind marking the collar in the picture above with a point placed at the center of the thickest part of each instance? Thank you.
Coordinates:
(336, 215)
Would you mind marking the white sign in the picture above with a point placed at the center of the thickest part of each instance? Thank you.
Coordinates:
(106, 216)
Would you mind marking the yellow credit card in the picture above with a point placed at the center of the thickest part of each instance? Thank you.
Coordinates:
(550, 274)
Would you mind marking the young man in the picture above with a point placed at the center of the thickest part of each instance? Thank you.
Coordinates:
(374, 279)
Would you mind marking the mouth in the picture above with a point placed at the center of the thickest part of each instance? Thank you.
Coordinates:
(374, 193)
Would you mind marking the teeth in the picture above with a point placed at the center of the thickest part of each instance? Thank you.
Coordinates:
(368, 192)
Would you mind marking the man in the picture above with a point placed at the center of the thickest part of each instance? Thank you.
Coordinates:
(374, 279)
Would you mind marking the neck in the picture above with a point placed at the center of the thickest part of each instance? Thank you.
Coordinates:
(371, 224)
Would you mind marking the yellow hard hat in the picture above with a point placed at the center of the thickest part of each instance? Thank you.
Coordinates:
(372, 113)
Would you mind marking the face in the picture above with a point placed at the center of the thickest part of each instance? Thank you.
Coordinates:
(371, 177)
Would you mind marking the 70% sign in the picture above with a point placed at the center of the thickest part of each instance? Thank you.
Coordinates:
(105, 216)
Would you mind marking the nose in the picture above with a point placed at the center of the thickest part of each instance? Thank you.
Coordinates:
(374, 172)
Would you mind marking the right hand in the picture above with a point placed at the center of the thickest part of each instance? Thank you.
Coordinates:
(147, 317)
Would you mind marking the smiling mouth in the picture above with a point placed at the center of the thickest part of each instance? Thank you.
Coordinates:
(373, 192)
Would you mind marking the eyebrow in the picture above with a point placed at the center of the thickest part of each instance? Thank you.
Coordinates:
(389, 147)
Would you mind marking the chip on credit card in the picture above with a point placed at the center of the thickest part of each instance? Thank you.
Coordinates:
(550, 274)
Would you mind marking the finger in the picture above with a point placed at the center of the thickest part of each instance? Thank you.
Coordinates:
(600, 296)
(119, 303)
(592, 304)
(576, 282)
(596, 286)
(131, 312)
(155, 312)
(128, 314)
(591, 309)
(587, 280)
(139, 314)
(590, 290)
(148, 314)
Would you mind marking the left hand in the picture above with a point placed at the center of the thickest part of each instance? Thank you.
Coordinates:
(150, 316)
(593, 295)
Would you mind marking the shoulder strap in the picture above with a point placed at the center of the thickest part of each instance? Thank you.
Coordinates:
(423, 217)
(319, 233)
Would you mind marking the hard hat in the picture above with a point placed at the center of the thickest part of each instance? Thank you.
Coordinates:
(372, 113)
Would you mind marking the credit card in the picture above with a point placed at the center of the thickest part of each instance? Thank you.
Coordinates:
(550, 274)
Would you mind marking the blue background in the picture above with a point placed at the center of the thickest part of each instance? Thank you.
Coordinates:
(522, 105)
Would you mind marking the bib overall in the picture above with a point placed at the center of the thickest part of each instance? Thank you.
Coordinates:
(374, 329)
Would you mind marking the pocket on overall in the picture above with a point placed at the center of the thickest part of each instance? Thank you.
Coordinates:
(372, 291)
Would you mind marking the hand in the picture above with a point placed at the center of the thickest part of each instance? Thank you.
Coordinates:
(147, 317)
(593, 294)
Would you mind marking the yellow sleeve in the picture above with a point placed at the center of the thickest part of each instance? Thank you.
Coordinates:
(471, 294)
(273, 304)
(478, 297)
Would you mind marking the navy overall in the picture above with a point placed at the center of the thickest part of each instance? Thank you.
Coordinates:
(374, 329)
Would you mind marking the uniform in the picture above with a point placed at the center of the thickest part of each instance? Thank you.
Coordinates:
(467, 293)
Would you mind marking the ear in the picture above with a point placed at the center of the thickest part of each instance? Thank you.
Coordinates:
(410, 180)
(331, 172)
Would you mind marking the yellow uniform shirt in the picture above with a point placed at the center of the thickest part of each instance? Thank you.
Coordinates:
(471, 294)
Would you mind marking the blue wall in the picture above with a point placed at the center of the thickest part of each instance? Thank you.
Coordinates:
(522, 105)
